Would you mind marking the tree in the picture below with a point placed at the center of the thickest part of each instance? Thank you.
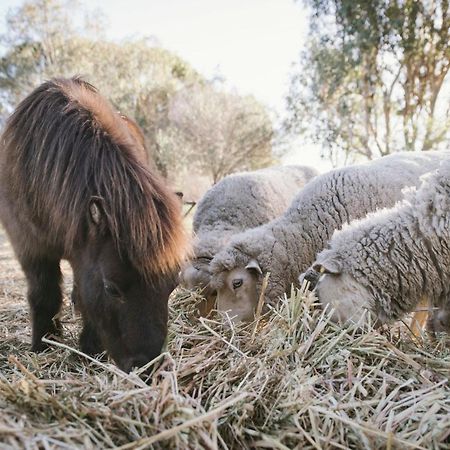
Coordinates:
(226, 132)
(57, 38)
(186, 121)
(373, 79)
(36, 38)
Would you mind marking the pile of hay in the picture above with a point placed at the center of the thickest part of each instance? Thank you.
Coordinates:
(293, 379)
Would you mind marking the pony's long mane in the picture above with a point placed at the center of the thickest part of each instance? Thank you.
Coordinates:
(65, 144)
(138, 135)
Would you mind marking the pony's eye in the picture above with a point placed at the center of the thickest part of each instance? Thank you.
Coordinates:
(111, 290)
(237, 283)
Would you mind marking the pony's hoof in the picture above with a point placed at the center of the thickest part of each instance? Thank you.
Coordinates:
(53, 334)
(39, 347)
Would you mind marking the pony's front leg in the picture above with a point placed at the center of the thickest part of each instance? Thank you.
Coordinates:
(90, 342)
(44, 297)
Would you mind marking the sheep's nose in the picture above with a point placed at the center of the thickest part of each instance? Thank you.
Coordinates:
(312, 276)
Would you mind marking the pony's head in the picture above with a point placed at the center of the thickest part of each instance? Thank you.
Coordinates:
(124, 311)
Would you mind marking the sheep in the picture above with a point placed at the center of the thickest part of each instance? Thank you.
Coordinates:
(286, 246)
(238, 202)
(390, 261)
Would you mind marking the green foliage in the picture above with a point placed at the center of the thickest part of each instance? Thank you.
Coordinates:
(373, 79)
(43, 41)
(58, 38)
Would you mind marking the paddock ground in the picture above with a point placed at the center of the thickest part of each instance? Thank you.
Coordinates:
(291, 380)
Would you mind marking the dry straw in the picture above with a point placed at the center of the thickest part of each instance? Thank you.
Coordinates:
(291, 380)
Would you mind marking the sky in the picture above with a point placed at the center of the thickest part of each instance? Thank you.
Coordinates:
(251, 43)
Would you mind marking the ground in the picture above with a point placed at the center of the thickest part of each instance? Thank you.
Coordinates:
(290, 380)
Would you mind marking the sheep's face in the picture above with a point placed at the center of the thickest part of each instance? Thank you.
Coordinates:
(237, 293)
(343, 293)
(349, 298)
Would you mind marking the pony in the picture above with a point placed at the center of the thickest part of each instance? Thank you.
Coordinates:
(74, 185)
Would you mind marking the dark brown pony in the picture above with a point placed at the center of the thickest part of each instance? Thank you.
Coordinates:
(73, 185)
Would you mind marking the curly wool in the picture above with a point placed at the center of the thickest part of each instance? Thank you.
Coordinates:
(242, 201)
(402, 254)
(286, 246)
(238, 202)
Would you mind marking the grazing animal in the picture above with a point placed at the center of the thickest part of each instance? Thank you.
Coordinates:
(238, 202)
(393, 259)
(288, 245)
(74, 186)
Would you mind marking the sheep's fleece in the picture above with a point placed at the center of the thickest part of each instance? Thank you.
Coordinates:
(286, 246)
(389, 261)
(238, 202)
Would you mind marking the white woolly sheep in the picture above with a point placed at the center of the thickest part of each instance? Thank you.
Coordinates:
(238, 202)
(393, 259)
(286, 246)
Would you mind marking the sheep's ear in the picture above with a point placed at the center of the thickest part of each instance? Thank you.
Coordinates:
(254, 265)
(329, 265)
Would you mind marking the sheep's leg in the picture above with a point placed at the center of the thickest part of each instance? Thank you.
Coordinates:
(44, 297)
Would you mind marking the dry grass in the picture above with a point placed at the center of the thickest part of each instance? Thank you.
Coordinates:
(297, 381)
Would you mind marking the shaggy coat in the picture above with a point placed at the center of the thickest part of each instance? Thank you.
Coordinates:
(58, 117)
(237, 203)
(392, 259)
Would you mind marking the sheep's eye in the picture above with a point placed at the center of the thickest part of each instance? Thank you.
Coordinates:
(111, 290)
(204, 258)
(237, 283)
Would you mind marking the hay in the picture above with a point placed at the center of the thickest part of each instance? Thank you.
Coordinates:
(291, 380)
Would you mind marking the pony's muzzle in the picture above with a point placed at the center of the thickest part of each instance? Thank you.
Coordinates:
(134, 362)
